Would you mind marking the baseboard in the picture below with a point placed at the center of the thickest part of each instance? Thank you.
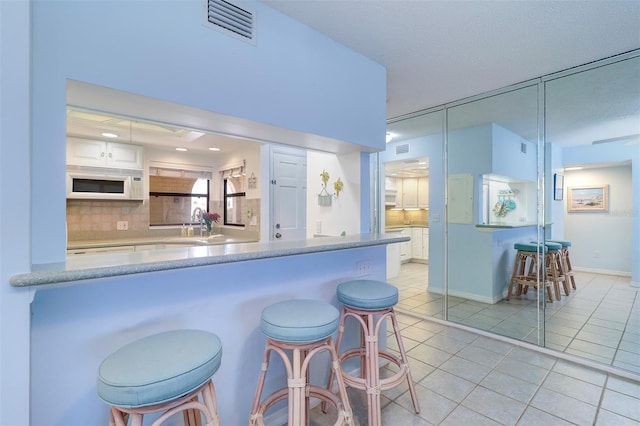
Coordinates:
(602, 271)
(470, 296)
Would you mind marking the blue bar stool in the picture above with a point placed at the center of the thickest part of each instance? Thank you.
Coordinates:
(169, 372)
(555, 268)
(529, 269)
(301, 328)
(566, 260)
(370, 303)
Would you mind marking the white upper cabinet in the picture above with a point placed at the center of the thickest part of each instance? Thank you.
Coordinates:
(423, 192)
(410, 192)
(83, 152)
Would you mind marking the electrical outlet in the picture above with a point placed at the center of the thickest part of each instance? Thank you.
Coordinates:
(363, 268)
(122, 225)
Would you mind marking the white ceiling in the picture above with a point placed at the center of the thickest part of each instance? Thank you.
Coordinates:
(437, 52)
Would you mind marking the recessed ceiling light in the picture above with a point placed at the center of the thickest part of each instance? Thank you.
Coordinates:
(181, 149)
(389, 136)
(109, 135)
(214, 149)
(572, 168)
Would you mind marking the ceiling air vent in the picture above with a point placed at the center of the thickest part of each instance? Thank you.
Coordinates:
(402, 149)
(233, 20)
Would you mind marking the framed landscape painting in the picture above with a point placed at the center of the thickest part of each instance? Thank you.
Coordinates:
(588, 198)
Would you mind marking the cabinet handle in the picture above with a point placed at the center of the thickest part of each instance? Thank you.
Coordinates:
(102, 154)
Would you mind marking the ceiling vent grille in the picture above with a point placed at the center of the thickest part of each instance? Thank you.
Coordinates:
(402, 149)
(228, 18)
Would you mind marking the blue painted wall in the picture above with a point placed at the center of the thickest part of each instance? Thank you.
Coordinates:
(293, 78)
(608, 153)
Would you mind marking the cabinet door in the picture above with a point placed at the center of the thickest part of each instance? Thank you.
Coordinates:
(390, 183)
(425, 244)
(423, 192)
(399, 186)
(410, 192)
(124, 156)
(82, 152)
(416, 243)
(405, 247)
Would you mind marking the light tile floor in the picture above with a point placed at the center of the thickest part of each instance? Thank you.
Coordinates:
(599, 321)
(463, 378)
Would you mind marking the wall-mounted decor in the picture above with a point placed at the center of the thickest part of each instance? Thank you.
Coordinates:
(253, 181)
(558, 187)
(324, 198)
(594, 198)
(338, 185)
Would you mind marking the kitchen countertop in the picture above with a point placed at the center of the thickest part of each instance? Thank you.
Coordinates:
(401, 227)
(92, 266)
(195, 240)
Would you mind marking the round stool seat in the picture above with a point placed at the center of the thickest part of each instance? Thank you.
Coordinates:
(299, 321)
(563, 243)
(369, 295)
(159, 368)
(551, 245)
(532, 247)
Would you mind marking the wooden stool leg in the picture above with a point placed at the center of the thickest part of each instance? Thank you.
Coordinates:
(372, 373)
(332, 373)
(516, 264)
(569, 267)
(256, 417)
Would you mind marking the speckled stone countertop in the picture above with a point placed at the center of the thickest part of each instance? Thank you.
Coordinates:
(91, 266)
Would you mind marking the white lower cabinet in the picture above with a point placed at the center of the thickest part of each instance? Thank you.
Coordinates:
(420, 243)
(405, 247)
(416, 243)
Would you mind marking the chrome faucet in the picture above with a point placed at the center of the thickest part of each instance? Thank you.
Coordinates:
(198, 214)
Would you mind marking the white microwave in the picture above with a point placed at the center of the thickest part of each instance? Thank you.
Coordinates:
(104, 186)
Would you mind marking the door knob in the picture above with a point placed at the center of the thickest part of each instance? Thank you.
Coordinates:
(278, 235)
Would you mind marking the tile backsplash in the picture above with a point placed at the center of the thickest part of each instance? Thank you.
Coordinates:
(394, 217)
(97, 220)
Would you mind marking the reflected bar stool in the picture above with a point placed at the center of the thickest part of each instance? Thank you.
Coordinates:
(555, 269)
(169, 372)
(370, 303)
(568, 269)
(301, 328)
(528, 269)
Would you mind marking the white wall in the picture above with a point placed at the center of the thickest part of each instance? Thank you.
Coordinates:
(339, 217)
(602, 241)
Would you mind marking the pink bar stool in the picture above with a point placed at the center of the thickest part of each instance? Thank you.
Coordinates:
(370, 303)
(301, 328)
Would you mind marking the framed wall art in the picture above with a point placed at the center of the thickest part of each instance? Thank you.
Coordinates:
(594, 198)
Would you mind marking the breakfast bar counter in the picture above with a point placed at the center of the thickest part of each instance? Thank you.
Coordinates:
(78, 268)
(85, 308)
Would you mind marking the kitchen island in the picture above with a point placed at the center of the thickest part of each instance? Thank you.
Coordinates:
(90, 305)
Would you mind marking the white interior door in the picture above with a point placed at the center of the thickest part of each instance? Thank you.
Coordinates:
(289, 195)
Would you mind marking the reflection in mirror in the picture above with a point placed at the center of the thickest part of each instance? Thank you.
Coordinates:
(592, 136)
(413, 162)
(593, 125)
(492, 197)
